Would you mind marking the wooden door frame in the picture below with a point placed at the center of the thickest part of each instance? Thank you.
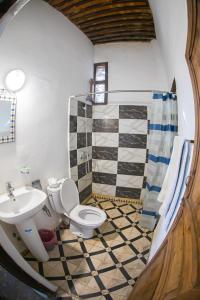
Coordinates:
(174, 272)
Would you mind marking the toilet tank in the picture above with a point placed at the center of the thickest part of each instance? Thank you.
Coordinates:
(55, 200)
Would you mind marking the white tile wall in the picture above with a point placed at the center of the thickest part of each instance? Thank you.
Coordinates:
(132, 155)
(73, 141)
(104, 189)
(133, 126)
(73, 107)
(104, 166)
(100, 139)
(82, 154)
(106, 112)
(129, 181)
(84, 124)
(74, 173)
(84, 182)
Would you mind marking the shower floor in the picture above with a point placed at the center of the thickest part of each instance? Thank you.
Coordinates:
(104, 267)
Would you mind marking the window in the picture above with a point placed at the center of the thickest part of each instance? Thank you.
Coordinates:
(101, 82)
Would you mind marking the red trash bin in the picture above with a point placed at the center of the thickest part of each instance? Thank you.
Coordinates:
(48, 238)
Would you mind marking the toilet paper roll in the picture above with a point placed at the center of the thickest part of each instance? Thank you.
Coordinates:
(53, 182)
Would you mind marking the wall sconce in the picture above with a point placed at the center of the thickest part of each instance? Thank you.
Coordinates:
(15, 80)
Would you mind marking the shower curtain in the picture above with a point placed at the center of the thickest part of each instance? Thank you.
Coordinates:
(163, 127)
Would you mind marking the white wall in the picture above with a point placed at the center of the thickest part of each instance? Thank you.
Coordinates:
(132, 65)
(170, 19)
(57, 59)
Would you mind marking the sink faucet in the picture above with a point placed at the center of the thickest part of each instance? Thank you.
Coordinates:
(10, 190)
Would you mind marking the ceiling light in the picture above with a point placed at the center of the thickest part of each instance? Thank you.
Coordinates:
(15, 80)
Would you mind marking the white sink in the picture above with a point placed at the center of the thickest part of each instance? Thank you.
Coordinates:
(28, 202)
(20, 211)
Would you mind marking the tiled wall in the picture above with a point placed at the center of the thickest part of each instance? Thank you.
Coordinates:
(119, 150)
(114, 161)
(80, 155)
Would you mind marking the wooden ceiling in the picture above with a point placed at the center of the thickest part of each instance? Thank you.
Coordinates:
(105, 21)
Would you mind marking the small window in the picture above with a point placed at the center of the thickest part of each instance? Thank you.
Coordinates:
(101, 82)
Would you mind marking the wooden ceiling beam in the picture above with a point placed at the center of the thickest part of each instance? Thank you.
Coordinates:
(95, 6)
(122, 31)
(121, 39)
(109, 14)
(119, 26)
(114, 20)
(121, 35)
(60, 4)
(91, 14)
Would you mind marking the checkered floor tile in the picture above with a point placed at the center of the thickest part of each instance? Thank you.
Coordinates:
(104, 267)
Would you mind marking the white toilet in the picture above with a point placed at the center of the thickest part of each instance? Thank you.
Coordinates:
(83, 218)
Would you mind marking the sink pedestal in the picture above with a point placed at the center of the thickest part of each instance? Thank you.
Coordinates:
(31, 238)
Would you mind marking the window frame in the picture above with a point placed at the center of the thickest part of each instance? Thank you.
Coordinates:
(105, 82)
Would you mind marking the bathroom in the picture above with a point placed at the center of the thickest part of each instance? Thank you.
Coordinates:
(84, 111)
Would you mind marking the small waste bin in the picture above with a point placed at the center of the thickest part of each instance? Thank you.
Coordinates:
(48, 238)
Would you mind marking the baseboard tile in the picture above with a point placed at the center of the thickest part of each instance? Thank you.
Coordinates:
(113, 198)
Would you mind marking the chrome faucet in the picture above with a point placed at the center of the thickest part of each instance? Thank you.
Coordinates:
(10, 190)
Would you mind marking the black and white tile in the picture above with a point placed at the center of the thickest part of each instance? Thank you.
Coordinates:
(119, 150)
(104, 178)
(130, 168)
(133, 112)
(127, 140)
(111, 157)
(105, 125)
(104, 152)
(81, 147)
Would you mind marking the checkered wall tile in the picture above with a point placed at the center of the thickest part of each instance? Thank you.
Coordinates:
(114, 160)
(119, 150)
(81, 147)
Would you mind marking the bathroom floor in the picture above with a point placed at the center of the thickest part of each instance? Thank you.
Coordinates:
(104, 267)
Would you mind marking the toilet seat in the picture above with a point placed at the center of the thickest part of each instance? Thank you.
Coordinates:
(88, 215)
(83, 218)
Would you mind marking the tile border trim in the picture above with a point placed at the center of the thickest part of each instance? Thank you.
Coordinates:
(113, 198)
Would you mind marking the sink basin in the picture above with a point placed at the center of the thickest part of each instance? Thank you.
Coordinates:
(28, 201)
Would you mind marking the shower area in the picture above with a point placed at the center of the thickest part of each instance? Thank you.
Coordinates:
(108, 149)
(122, 151)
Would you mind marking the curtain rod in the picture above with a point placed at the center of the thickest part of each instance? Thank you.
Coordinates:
(121, 91)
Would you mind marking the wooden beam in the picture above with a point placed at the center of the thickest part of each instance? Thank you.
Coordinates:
(120, 39)
(60, 4)
(109, 14)
(114, 20)
(124, 34)
(95, 6)
(121, 29)
(91, 14)
(119, 24)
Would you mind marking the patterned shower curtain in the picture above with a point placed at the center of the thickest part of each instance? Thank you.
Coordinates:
(163, 127)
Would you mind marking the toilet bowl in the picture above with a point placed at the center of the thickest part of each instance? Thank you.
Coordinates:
(83, 218)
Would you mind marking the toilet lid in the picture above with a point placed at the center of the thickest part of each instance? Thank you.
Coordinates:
(69, 195)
